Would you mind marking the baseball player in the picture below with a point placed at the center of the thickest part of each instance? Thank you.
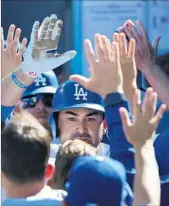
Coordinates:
(37, 98)
(79, 113)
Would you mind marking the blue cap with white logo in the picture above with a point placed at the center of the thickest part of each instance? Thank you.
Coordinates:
(44, 83)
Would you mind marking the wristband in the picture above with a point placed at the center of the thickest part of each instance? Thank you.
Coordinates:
(114, 99)
(17, 82)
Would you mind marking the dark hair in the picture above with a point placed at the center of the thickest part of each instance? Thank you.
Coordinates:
(25, 148)
(2, 125)
(56, 116)
(61, 73)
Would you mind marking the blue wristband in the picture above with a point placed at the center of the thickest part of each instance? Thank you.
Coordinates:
(17, 82)
(114, 99)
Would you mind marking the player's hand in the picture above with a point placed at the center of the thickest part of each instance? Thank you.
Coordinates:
(145, 52)
(145, 119)
(128, 64)
(11, 56)
(48, 35)
(44, 39)
(106, 75)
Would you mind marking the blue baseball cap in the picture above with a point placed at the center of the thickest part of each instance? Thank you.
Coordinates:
(73, 95)
(97, 180)
(44, 83)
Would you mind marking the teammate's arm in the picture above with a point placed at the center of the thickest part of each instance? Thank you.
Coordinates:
(140, 133)
(11, 60)
(128, 64)
(159, 81)
(145, 60)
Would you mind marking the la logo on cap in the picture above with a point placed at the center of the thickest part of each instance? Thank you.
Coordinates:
(40, 81)
(79, 92)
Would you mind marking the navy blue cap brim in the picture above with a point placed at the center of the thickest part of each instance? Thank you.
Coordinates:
(84, 105)
(42, 90)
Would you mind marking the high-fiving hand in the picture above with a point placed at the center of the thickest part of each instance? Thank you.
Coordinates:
(47, 36)
(145, 52)
(43, 39)
(11, 56)
(145, 118)
(128, 64)
(106, 75)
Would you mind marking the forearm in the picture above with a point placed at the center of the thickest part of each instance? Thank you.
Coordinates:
(147, 181)
(118, 141)
(11, 93)
(159, 82)
(130, 94)
(120, 148)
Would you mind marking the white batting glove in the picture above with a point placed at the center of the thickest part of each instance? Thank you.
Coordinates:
(44, 39)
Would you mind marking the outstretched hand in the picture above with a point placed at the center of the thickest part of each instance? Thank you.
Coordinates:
(43, 39)
(145, 52)
(11, 55)
(106, 75)
(128, 64)
(145, 119)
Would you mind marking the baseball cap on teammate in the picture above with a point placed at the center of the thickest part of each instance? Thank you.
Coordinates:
(44, 83)
(97, 181)
(71, 95)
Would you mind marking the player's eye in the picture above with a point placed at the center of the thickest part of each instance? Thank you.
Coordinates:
(91, 119)
(72, 119)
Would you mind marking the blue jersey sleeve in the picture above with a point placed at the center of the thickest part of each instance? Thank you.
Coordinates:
(161, 145)
(6, 111)
(120, 149)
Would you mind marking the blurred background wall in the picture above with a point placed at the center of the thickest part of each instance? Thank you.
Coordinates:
(83, 18)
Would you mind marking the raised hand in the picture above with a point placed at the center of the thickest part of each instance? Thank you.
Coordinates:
(48, 35)
(145, 52)
(11, 56)
(106, 75)
(128, 64)
(43, 39)
(145, 119)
